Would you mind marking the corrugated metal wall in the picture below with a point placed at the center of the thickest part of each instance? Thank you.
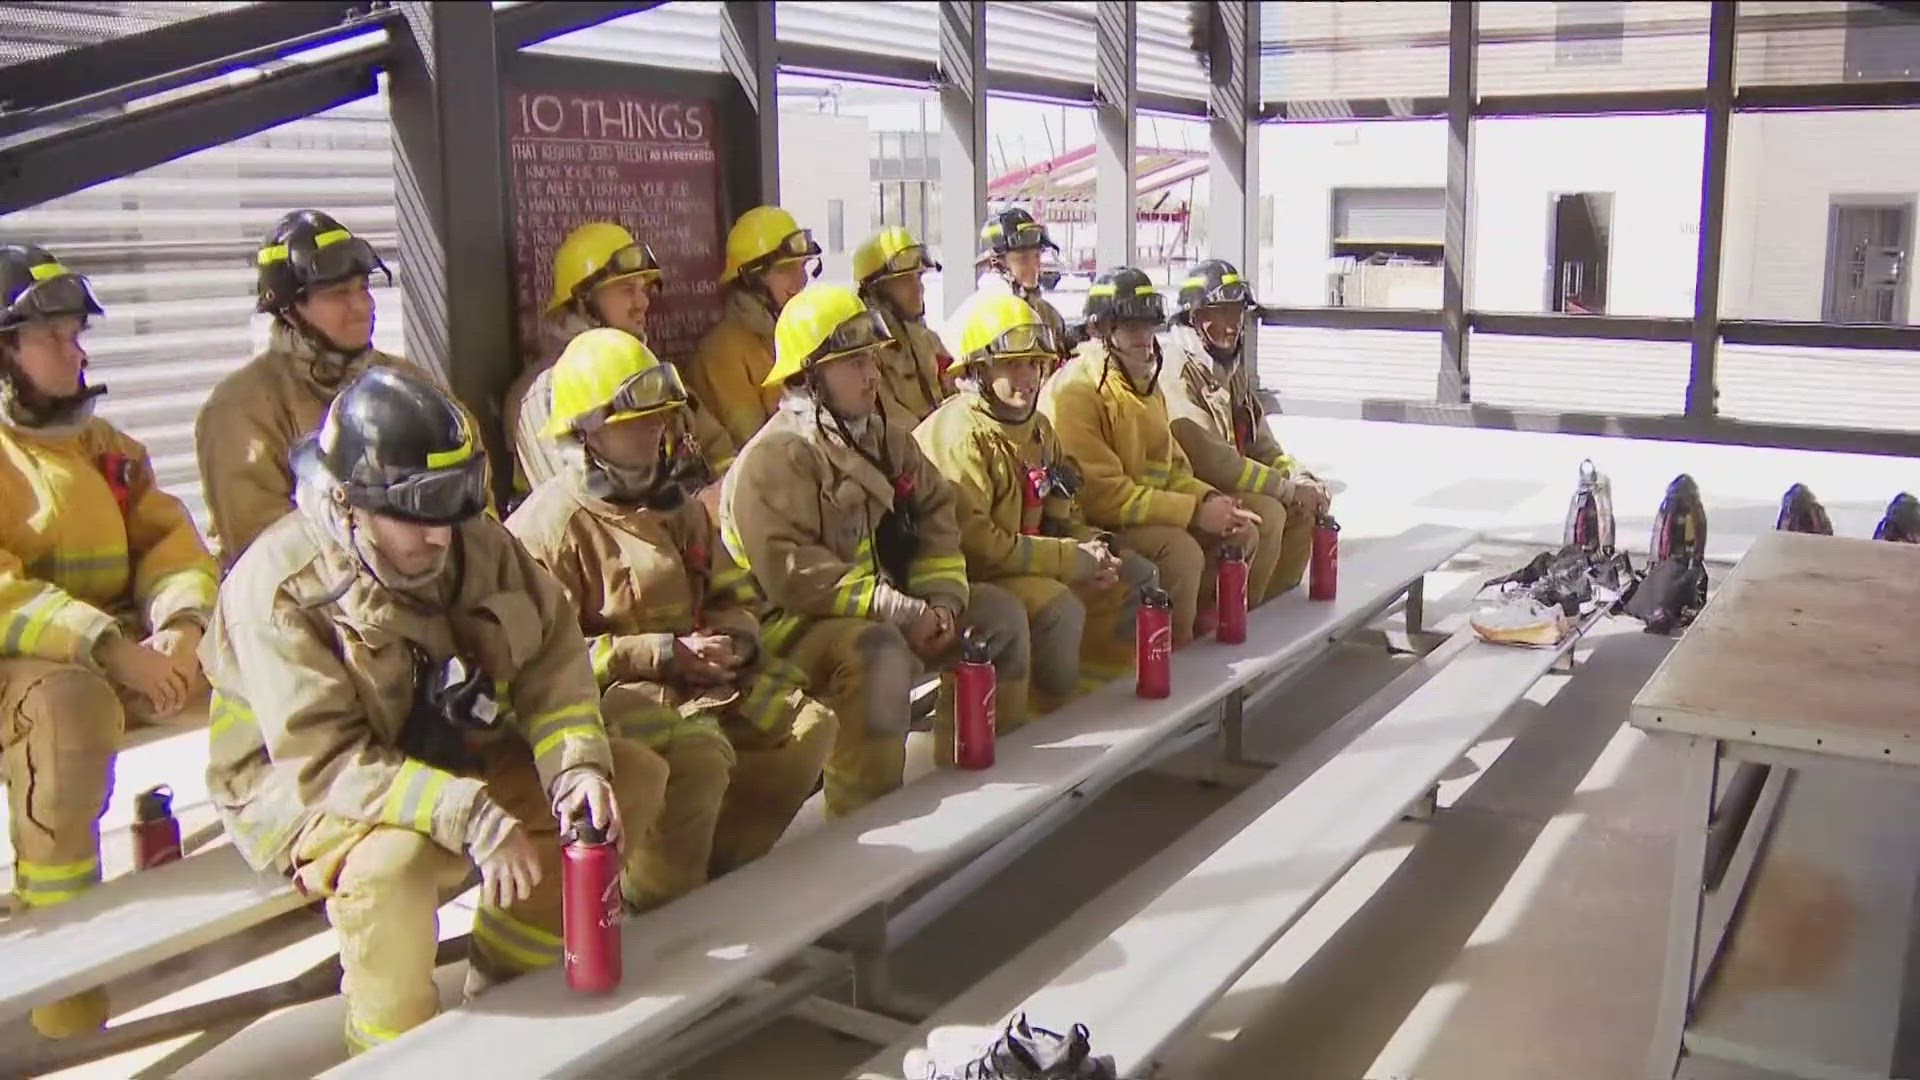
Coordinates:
(170, 251)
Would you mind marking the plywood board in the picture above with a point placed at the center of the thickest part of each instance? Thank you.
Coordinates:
(1812, 977)
(1808, 645)
(132, 923)
(686, 958)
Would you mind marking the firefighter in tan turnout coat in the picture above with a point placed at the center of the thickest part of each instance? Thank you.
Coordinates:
(851, 535)
(402, 693)
(676, 653)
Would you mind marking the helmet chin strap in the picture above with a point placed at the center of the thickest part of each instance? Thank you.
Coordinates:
(30, 407)
(998, 406)
(330, 362)
(662, 484)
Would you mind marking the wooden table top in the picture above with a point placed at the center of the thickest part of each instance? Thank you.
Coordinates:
(1810, 645)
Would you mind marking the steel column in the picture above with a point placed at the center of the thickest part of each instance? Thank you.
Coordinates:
(450, 191)
(748, 52)
(1702, 384)
(963, 143)
(1455, 385)
(1116, 78)
(1233, 210)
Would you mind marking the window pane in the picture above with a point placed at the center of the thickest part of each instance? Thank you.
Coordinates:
(1580, 374)
(683, 34)
(1820, 216)
(1170, 233)
(1590, 45)
(1357, 213)
(1861, 388)
(1801, 42)
(1041, 156)
(1587, 215)
(1314, 364)
(1333, 60)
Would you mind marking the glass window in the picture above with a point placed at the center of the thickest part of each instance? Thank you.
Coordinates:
(1041, 156)
(1170, 233)
(1353, 214)
(1820, 216)
(1590, 215)
(1364, 58)
(1800, 42)
(1591, 45)
(1314, 364)
(819, 119)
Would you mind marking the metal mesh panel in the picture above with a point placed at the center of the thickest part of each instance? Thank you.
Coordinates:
(35, 31)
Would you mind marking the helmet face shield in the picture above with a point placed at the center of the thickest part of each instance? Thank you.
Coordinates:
(1144, 308)
(908, 261)
(863, 331)
(1031, 340)
(1028, 236)
(435, 497)
(59, 293)
(333, 256)
(627, 262)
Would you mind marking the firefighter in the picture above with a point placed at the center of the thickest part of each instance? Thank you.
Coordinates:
(313, 277)
(105, 589)
(769, 260)
(402, 693)
(1110, 414)
(851, 535)
(1020, 525)
(1010, 246)
(890, 268)
(676, 652)
(602, 276)
(1223, 430)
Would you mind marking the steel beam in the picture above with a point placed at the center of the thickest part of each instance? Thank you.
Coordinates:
(963, 142)
(1116, 78)
(1804, 335)
(1603, 103)
(1672, 428)
(1353, 318)
(531, 23)
(77, 158)
(450, 191)
(877, 67)
(164, 51)
(1703, 391)
(1604, 327)
(1454, 385)
(750, 55)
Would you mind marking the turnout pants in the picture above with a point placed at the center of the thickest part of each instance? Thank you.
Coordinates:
(383, 887)
(1082, 636)
(865, 672)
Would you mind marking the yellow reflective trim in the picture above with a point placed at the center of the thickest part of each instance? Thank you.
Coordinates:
(1104, 288)
(423, 813)
(1230, 279)
(776, 631)
(560, 735)
(29, 621)
(440, 459)
(514, 953)
(538, 726)
(1145, 290)
(271, 254)
(854, 596)
(48, 270)
(331, 237)
(600, 656)
(365, 1036)
(1194, 282)
(39, 871)
(1133, 509)
(409, 802)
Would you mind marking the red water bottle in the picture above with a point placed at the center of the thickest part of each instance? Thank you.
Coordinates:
(973, 691)
(590, 909)
(1230, 584)
(156, 832)
(1153, 644)
(1323, 573)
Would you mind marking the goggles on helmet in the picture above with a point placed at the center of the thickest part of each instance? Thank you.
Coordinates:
(626, 262)
(1149, 307)
(908, 260)
(1232, 291)
(56, 292)
(657, 388)
(797, 245)
(863, 331)
(437, 496)
(335, 255)
(1033, 339)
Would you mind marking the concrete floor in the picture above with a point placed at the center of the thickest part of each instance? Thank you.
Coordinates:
(1520, 937)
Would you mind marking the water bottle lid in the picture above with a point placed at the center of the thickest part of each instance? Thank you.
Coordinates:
(586, 832)
(154, 804)
(1232, 553)
(1326, 522)
(973, 647)
(1154, 596)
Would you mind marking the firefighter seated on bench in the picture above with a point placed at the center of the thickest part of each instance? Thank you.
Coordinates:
(770, 258)
(851, 535)
(1223, 430)
(1011, 243)
(890, 268)
(1020, 525)
(602, 276)
(104, 591)
(313, 277)
(402, 693)
(1110, 414)
(676, 654)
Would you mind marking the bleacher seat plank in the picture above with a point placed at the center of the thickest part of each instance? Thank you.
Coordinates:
(690, 956)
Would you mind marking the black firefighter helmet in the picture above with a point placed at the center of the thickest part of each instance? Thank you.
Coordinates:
(306, 250)
(399, 447)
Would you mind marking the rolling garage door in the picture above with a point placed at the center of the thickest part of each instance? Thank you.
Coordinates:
(1389, 215)
(170, 250)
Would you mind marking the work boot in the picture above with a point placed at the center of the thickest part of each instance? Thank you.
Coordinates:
(1022, 1052)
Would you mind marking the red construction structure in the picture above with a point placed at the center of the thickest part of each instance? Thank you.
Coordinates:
(1060, 192)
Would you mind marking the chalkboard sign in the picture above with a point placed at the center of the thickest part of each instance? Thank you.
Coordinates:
(645, 161)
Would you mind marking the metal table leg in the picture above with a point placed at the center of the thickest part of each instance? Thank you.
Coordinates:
(1700, 772)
